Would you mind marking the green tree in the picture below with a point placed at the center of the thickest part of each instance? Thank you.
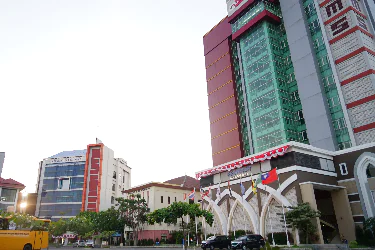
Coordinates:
(80, 225)
(176, 211)
(300, 217)
(58, 228)
(133, 213)
(24, 221)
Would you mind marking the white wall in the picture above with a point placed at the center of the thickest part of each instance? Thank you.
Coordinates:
(110, 165)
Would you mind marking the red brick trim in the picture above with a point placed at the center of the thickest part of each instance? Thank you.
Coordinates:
(361, 101)
(356, 77)
(343, 12)
(324, 3)
(354, 53)
(364, 127)
(346, 33)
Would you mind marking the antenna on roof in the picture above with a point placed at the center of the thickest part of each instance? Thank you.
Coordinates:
(183, 184)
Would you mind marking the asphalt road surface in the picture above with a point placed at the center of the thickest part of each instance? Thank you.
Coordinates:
(127, 248)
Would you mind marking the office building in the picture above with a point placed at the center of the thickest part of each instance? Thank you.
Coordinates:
(80, 180)
(280, 71)
(291, 86)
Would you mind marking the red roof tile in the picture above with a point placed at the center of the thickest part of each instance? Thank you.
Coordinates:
(10, 183)
(190, 182)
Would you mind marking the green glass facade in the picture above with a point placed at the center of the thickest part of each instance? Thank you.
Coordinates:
(267, 95)
(326, 75)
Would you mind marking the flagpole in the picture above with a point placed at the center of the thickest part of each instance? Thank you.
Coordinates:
(273, 239)
(243, 205)
(196, 231)
(282, 204)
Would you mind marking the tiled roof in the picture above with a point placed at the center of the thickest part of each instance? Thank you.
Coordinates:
(10, 183)
(190, 182)
(69, 153)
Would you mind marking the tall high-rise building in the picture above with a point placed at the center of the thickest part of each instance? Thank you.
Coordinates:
(80, 180)
(296, 70)
(291, 93)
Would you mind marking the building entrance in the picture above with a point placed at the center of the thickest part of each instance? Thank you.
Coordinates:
(328, 222)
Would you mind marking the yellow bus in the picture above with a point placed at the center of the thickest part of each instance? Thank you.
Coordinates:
(12, 238)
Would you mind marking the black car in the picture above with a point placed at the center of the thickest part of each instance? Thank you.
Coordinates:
(218, 241)
(250, 241)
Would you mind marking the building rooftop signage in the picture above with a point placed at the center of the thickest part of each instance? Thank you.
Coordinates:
(234, 5)
(244, 162)
(67, 159)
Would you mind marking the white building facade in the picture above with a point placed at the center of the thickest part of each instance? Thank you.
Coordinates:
(160, 195)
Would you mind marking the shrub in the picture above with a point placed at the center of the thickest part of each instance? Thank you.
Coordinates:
(353, 244)
(280, 238)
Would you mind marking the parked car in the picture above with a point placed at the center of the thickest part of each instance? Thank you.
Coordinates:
(218, 241)
(79, 243)
(250, 241)
(90, 243)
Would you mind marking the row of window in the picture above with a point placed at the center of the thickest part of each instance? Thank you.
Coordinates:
(64, 170)
(59, 210)
(169, 199)
(61, 196)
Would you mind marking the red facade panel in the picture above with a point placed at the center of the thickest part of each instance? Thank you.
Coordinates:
(220, 65)
(224, 125)
(222, 109)
(91, 187)
(218, 34)
(219, 80)
(227, 156)
(221, 143)
(219, 74)
(217, 53)
(90, 199)
(220, 95)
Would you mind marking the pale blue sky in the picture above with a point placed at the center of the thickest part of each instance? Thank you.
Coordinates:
(129, 72)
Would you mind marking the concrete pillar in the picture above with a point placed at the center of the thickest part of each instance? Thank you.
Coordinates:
(308, 195)
(343, 213)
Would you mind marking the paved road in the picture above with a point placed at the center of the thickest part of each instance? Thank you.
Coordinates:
(128, 248)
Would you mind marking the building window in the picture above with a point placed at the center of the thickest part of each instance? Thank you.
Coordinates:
(8, 195)
(304, 136)
(175, 199)
(161, 199)
(169, 200)
(114, 174)
(112, 200)
(64, 184)
(123, 177)
(113, 187)
(343, 169)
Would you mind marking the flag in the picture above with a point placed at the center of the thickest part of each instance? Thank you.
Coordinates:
(269, 177)
(205, 193)
(243, 190)
(253, 184)
(218, 195)
(230, 191)
(192, 194)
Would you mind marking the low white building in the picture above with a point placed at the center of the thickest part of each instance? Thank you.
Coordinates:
(160, 195)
